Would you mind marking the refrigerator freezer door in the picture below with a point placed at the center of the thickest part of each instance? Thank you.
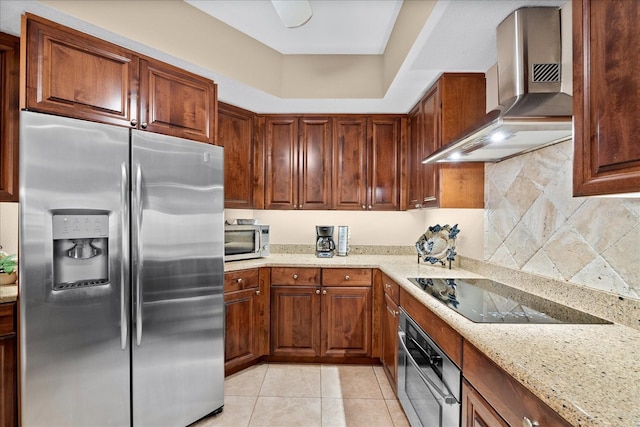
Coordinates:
(74, 342)
(177, 280)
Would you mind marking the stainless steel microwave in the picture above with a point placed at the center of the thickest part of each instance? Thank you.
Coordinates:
(245, 241)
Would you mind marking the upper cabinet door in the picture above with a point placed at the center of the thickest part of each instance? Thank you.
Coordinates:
(177, 103)
(385, 149)
(606, 97)
(9, 116)
(75, 75)
(281, 166)
(242, 157)
(350, 160)
(314, 186)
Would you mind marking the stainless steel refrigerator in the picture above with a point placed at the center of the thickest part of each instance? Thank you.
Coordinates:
(121, 276)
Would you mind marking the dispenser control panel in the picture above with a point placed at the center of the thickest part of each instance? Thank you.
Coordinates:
(80, 226)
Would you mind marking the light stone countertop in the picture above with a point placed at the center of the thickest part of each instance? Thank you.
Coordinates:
(8, 293)
(589, 374)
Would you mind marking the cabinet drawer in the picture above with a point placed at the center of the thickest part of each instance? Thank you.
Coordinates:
(238, 280)
(295, 276)
(346, 277)
(7, 319)
(511, 400)
(391, 288)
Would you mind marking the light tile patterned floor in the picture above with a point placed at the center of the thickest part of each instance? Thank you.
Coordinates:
(293, 395)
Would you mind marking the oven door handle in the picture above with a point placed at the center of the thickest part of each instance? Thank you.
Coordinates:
(447, 398)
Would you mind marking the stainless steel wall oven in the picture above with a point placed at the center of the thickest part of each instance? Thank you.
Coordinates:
(429, 383)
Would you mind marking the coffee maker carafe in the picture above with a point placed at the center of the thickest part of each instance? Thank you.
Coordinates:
(324, 241)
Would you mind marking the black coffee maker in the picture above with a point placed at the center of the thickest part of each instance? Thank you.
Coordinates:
(324, 241)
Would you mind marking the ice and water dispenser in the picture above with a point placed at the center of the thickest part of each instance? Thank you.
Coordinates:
(80, 250)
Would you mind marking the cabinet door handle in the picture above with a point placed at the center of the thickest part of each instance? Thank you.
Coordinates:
(317, 291)
(393, 312)
(134, 122)
(370, 207)
(387, 286)
(347, 277)
(526, 422)
(295, 277)
(257, 292)
(324, 292)
(364, 207)
(143, 125)
(239, 280)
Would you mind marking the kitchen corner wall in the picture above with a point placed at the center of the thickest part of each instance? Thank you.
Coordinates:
(371, 228)
(9, 227)
(532, 223)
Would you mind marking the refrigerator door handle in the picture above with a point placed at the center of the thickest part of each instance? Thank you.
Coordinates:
(138, 245)
(124, 270)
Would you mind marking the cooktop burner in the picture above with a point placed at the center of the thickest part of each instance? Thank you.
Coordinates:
(486, 301)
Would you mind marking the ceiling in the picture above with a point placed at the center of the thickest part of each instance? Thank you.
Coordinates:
(360, 56)
(336, 27)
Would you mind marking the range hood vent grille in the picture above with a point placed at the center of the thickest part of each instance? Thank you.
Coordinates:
(546, 73)
(533, 111)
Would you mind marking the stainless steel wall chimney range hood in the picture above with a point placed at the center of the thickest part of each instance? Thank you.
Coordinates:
(533, 112)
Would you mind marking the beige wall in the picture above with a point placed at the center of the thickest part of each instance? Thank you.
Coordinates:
(9, 227)
(371, 228)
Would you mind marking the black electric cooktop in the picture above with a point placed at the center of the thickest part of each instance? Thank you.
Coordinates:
(486, 301)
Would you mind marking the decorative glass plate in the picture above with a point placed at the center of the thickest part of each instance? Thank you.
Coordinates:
(438, 244)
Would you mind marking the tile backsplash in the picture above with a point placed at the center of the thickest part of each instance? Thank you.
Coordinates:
(533, 224)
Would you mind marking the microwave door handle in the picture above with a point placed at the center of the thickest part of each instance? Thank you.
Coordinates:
(437, 393)
(256, 240)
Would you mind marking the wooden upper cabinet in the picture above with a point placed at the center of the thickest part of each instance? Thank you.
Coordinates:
(298, 162)
(281, 165)
(314, 172)
(177, 103)
(368, 162)
(414, 151)
(430, 142)
(9, 116)
(350, 161)
(453, 104)
(73, 74)
(243, 183)
(384, 163)
(606, 97)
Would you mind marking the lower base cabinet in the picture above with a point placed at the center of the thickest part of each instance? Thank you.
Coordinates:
(389, 330)
(476, 412)
(8, 366)
(246, 317)
(495, 389)
(320, 312)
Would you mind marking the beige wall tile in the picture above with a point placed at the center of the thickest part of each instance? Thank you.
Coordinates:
(534, 223)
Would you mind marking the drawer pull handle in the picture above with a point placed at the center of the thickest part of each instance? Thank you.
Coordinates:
(239, 280)
(526, 422)
(295, 277)
(347, 277)
(257, 292)
(388, 286)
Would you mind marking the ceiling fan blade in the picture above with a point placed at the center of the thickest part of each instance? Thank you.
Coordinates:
(293, 13)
